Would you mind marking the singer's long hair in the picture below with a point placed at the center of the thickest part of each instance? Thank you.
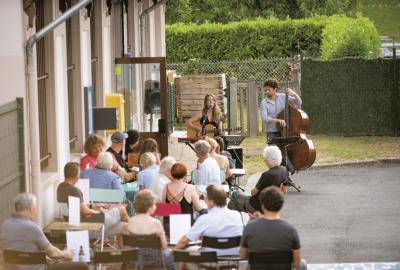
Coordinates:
(216, 113)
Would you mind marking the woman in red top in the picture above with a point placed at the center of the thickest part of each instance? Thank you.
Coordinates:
(94, 145)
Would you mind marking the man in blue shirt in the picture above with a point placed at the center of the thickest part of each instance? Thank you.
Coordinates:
(218, 222)
(273, 104)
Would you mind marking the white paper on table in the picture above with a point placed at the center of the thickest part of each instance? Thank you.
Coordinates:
(179, 225)
(76, 239)
(84, 186)
(74, 213)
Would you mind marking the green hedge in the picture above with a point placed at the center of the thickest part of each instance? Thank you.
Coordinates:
(344, 36)
(351, 96)
(244, 40)
(272, 38)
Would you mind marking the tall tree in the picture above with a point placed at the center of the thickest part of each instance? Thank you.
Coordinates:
(179, 11)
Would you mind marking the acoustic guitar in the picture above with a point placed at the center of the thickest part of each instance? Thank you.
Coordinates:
(208, 130)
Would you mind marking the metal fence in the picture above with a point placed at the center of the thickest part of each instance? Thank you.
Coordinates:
(244, 70)
(12, 167)
(352, 96)
(261, 69)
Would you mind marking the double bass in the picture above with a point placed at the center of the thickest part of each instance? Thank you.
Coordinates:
(301, 153)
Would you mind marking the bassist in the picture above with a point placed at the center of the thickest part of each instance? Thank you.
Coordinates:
(272, 105)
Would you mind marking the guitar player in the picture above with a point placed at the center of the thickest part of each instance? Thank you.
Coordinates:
(210, 115)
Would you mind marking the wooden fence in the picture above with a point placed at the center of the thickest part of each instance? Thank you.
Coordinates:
(244, 101)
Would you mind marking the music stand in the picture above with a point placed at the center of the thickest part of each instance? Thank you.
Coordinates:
(282, 143)
(232, 140)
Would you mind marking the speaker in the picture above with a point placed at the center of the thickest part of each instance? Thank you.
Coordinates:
(237, 154)
(151, 96)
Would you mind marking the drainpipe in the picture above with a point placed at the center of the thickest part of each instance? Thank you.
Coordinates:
(32, 93)
(141, 26)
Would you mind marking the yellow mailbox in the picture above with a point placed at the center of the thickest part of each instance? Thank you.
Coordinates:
(116, 101)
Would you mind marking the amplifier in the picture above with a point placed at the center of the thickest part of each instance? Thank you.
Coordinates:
(237, 154)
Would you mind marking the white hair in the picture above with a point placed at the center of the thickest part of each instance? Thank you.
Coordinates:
(147, 159)
(202, 148)
(272, 156)
(166, 164)
(105, 161)
(23, 200)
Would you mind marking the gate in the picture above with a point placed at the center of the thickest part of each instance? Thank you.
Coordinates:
(12, 167)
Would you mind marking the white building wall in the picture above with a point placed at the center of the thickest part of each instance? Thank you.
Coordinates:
(12, 61)
(13, 82)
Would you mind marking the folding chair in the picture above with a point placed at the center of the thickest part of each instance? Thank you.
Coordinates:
(166, 209)
(115, 256)
(111, 196)
(59, 240)
(38, 258)
(197, 258)
(263, 260)
(223, 243)
(148, 246)
(107, 195)
(24, 258)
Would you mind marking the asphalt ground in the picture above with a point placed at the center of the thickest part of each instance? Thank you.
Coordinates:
(344, 214)
(347, 214)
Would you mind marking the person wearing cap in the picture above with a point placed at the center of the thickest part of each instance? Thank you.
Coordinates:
(120, 167)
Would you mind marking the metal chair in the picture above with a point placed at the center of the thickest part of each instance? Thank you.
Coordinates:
(166, 209)
(223, 243)
(24, 258)
(59, 240)
(262, 260)
(150, 247)
(115, 256)
(197, 258)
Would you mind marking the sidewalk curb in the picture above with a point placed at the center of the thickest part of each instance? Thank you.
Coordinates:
(365, 162)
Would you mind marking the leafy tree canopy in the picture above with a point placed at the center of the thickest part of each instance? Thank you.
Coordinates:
(225, 11)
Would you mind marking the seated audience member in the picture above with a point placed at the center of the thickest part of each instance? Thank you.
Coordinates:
(149, 170)
(222, 161)
(220, 150)
(101, 176)
(270, 233)
(120, 167)
(164, 176)
(132, 148)
(208, 171)
(218, 222)
(115, 218)
(150, 145)
(144, 224)
(21, 233)
(178, 191)
(94, 145)
(275, 176)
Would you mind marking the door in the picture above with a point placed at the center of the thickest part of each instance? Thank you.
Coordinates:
(144, 83)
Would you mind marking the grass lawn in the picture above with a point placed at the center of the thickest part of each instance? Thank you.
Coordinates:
(384, 13)
(329, 149)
